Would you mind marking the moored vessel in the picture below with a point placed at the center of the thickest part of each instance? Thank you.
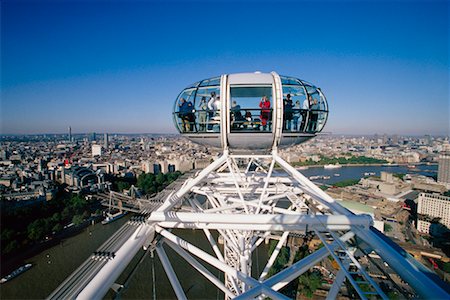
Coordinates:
(16, 273)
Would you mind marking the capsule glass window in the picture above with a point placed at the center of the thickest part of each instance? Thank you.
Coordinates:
(251, 108)
(207, 104)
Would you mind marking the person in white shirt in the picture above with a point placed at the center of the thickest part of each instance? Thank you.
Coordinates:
(304, 112)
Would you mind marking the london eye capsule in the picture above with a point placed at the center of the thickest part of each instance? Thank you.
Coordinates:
(250, 111)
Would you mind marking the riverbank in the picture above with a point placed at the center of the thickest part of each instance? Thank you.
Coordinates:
(366, 165)
(54, 264)
(12, 261)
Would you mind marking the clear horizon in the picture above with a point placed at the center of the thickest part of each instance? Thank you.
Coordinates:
(103, 67)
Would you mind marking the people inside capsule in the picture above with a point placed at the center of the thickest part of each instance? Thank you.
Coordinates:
(213, 107)
(202, 114)
(304, 111)
(314, 116)
(265, 113)
(287, 112)
(184, 111)
(237, 119)
(295, 115)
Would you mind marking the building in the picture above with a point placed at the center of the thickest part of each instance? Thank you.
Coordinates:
(96, 150)
(433, 207)
(444, 168)
(105, 141)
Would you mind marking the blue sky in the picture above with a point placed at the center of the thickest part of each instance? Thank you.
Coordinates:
(118, 66)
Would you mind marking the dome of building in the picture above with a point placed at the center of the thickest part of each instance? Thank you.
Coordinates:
(250, 111)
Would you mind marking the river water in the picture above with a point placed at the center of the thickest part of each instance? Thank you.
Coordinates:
(52, 266)
(358, 172)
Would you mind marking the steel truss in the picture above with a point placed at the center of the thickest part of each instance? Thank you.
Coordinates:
(247, 199)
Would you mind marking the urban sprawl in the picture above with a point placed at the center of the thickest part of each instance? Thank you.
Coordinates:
(412, 209)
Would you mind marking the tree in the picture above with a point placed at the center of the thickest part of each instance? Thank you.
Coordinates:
(56, 217)
(57, 228)
(10, 247)
(309, 282)
(123, 185)
(387, 227)
(77, 219)
(65, 213)
(36, 230)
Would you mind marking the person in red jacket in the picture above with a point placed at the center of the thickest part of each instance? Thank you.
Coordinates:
(265, 111)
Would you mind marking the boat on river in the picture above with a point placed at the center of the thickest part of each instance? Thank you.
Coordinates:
(113, 217)
(331, 166)
(16, 273)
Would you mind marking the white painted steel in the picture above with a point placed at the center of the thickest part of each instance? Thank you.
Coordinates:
(170, 273)
(243, 208)
(274, 255)
(105, 278)
(261, 219)
(409, 269)
(200, 268)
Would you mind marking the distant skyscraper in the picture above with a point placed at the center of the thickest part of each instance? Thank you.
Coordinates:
(92, 136)
(70, 134)
(106, 141)
(444, 167)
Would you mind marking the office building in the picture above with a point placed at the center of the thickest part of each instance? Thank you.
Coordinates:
(434, 213)
(96, 150)
(444, 168)
(105, 141)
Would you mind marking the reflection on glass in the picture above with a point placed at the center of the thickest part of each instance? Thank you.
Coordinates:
(251, 108)
(197, 109)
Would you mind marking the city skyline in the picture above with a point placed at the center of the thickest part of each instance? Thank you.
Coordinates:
(118, 67)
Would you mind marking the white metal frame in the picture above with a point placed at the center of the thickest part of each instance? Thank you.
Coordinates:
(249, 198)
(243, 204)
(242, 207)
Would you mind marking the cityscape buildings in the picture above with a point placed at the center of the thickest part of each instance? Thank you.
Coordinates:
(32, 169)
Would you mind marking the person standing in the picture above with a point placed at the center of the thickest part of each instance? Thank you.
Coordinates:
(183, 111)
(202, 113)
(265, 112)
(287, 107)
(295, 115)
(314, 116)
(304, 112)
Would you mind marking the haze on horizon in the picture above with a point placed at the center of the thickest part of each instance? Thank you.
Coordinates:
(118, 66)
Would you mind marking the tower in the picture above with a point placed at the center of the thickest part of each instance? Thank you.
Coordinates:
(444, 168)
(70, 134)
(105, 141)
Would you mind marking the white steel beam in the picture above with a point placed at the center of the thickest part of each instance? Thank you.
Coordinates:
(336, 287)
(274, 255)
(313, 189)
(266, 219)
(170, 273)
(200, 268)
(105, 278)
(281, 279)
(207, 257)
(409, 270)
(174, 198)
